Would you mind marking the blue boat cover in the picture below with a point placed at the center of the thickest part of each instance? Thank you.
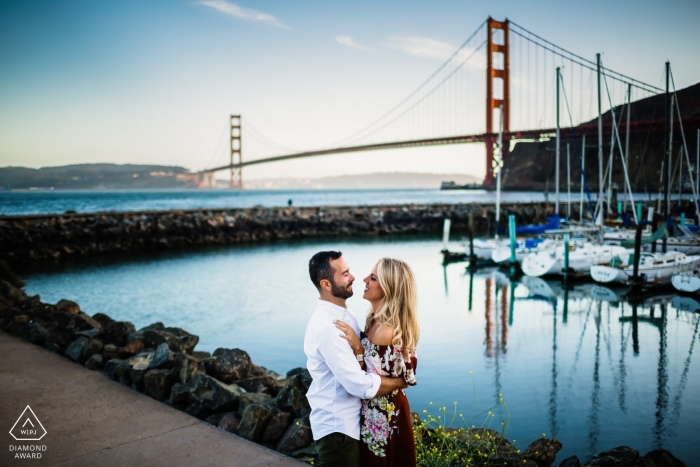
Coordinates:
(553, 224)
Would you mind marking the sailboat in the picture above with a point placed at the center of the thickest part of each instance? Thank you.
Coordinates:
(654, 268)
(581, 257)
(523, 248)
(688, 281)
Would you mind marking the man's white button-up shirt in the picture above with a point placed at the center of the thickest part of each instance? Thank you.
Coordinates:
(338, 381)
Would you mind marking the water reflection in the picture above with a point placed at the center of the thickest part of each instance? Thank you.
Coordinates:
(582, 363)
(598, 301)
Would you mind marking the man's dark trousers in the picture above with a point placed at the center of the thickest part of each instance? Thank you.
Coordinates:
(338, 450)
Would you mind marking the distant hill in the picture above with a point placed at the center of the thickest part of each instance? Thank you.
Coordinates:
(132, 176)
(394, 180)
(93, 176)
(531, 165)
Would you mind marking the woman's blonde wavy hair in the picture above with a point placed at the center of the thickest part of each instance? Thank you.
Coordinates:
(398, 307)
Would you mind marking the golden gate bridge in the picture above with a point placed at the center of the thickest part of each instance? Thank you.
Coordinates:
(512, 70)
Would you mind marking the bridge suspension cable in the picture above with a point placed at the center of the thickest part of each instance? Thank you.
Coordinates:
(355, 136)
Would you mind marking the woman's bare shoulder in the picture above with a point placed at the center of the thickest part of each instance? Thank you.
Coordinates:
(383, 335)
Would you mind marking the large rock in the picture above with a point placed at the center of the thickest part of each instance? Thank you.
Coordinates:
(254, 420)
(163, 358)
(248, 398)
(11, 293)
(118, 370)
(103, 319)
(76, 349)
(542, 451)
(177, 339)
(93, 347)
(34, 332)
(83, 322)
(117, 332)
(68, 306)
(660, 458)
(303, 372)
(230, 422)
(204, 395)
(572, 461)
(158, 383)
(95, 362)
(228, 365)
(187, 367)
(297, 436)
(621, 456)
(262, 384)
(276, 427)
(292, 397)
(132, 348)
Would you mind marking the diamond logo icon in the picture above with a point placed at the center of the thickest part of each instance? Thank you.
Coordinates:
(28, 427)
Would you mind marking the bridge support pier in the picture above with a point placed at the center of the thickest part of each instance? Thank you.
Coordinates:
(236, 172)
(497, 92)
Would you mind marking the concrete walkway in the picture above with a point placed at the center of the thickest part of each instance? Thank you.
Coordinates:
(91, 420)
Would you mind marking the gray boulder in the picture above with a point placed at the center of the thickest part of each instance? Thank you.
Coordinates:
(204, 395)
(68, 306)
(34, 332)
(660, 458)
(297, 436)
(163, 358)
(572, 461)
(95, 362)
(117, 332)
(158, 383)
(542, 451)
(276, 427)
(621, 456)
(248, 398)
(292, 397)
(254, 420)
(228, 365)
(76, 349)
(230, 422)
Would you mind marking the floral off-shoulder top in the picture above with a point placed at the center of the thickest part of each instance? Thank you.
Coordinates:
(381, 415)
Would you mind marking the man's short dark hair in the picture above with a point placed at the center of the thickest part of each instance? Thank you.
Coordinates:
(320, 267)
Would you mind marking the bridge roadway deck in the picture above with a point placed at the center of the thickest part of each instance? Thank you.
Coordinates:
(91, 420)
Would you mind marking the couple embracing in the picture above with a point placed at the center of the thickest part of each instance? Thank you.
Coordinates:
(359, 411)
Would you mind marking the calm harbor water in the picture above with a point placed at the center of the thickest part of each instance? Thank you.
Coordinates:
(44, 202)
(573, 364)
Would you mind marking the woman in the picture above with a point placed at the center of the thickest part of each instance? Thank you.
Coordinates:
(389, 347)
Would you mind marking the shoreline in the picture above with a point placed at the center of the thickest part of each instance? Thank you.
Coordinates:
(227, 390)
(61, 236)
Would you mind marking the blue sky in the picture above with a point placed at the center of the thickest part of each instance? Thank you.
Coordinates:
(155, 81)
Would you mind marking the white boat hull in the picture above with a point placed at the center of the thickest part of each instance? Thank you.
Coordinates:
(650, 272)
(607, 274)
(686, 282)
(581, 258)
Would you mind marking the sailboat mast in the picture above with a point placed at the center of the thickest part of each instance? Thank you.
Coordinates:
(499, 166)
(568, 181)
(583, 172)
(667, 174)
(627, 132)
(556, 171)
(601, 182)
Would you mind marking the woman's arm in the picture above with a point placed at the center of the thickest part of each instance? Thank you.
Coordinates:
(348, 333)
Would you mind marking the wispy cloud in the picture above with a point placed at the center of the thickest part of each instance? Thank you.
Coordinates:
(349, 42)
(432, 48)
(421, 46)
(243, 13)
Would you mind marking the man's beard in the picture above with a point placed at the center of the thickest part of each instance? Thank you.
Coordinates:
(339, 291)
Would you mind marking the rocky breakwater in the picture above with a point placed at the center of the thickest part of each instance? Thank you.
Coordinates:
(228, 390)
(25, 238)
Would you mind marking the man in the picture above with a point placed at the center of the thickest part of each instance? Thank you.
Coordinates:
(338, 381)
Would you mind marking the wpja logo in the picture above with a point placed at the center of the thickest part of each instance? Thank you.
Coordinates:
(28, 428)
